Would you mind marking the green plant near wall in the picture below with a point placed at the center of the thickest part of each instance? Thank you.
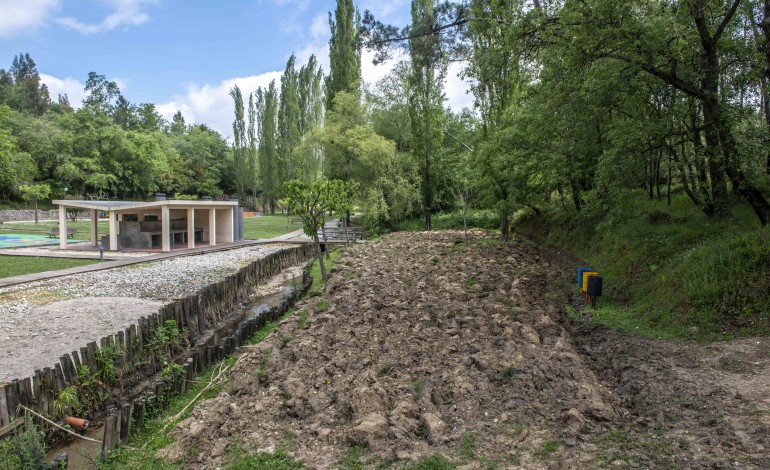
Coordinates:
(164, 342)
(106, 364)
(67, 402)
(90, 390)
(23, 450)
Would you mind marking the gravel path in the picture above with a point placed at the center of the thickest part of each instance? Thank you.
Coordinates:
(42, 320)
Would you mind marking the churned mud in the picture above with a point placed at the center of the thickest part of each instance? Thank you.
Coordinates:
(425, 346)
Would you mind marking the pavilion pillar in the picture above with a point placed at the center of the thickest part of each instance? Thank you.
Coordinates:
(191, 228)
(212, 226)
(62, 227)
(165, 228)
(113, 218)
(94, 225)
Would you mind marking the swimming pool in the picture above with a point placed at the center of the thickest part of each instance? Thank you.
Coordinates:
(12, 240)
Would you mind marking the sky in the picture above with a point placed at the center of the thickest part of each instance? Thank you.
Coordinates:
(184, 54)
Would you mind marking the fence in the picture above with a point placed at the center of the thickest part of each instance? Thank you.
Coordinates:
(193, 314)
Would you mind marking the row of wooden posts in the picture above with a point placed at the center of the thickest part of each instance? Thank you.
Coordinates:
(193, 314)
(157, 396)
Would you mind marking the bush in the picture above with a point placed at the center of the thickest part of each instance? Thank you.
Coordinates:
(24, 450)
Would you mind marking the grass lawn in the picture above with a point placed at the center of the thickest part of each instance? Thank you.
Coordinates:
(83, 227)
(268, 226)
(19, 265)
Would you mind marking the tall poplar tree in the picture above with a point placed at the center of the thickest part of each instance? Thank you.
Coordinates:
(251, 140)
(239, 142)
(288, 121)
(344, 52)
(267, 109)
(425, 96)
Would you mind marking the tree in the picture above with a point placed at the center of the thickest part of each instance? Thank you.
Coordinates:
(310, 201)
(267, 110)
(101, 93)
(289, 122)
(34, 193)
(240, 150)
(21, 87)
(425, 95)
(344, 52)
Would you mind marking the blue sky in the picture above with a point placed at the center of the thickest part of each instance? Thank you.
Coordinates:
(181, 54)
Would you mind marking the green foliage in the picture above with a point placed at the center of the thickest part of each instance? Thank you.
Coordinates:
(278, 460)
(106, 364)
(692, 275)
(24, 450)
(67, 402)
(484, 219)
(434, 462)
(165, 341)
(344, 52)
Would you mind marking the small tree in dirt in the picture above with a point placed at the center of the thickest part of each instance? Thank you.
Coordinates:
(310, 201)
(34, 193)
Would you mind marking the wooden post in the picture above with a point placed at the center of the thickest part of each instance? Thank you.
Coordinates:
(125, 421)
(138, 413)
(5, 417)
(62, 227)
(109, 434)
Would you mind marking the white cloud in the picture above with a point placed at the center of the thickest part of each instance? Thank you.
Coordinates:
(19, 16)
(212, 104)
(457, 90)
(124, 13)
(60, 86)
(383, 10)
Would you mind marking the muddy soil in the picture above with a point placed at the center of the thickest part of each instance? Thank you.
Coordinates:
(423, 345)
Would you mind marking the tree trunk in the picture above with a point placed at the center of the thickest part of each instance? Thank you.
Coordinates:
(35, 211)
(504, 223)
(319, 254)
(323, 231)
(465, 215)
(345, 224)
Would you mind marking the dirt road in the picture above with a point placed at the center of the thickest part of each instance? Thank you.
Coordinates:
(424, 346)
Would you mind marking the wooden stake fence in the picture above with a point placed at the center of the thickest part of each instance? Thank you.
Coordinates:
(195, 314)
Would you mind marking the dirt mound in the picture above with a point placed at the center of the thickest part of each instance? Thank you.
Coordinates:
(423, 345)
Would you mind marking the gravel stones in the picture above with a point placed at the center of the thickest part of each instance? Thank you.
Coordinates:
(40, 321)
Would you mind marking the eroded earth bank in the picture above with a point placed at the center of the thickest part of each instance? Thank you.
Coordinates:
(424, 346)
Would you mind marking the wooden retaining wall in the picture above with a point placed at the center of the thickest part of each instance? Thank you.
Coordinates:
(193, 314)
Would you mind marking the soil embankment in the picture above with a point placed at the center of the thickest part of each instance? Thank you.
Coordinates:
(423, 345)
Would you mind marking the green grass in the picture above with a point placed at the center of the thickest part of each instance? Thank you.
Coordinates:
(83, 227)
(315, 272)
(19, 265)
(669, 272)
(268, 226)
(453, 221)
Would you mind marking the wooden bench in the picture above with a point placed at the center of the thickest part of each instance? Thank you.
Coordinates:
(54, 232)
(297, 220)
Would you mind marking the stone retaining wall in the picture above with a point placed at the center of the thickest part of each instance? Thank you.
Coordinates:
(29, 214)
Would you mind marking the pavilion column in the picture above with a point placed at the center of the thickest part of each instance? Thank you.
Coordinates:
(212, 226)
(190, 228)
(62, 227)
(94, 225)
(165, 228)
(113, 218)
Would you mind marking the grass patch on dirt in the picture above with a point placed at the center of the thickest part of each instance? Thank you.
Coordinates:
(278, 460)
(268, 226)
(669, 272)
(148, 439)
(315, 272)
(19, 265)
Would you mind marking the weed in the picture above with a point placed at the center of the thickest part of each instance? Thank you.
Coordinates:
(278, 460)
(417, 387)
(302, 322)
(434, 462)
(351, 460)
(548, 447)
(322, 305)
(23, 450)
(468, 446)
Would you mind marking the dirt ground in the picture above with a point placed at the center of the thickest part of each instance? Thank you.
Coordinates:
(424, 346)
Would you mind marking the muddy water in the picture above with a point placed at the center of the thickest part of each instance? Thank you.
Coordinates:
(83, 454)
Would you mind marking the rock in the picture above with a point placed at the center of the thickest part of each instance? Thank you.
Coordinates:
(365, 400)
(434, 427)
(372, 428)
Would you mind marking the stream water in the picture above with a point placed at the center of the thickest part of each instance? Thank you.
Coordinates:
(83, 454)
